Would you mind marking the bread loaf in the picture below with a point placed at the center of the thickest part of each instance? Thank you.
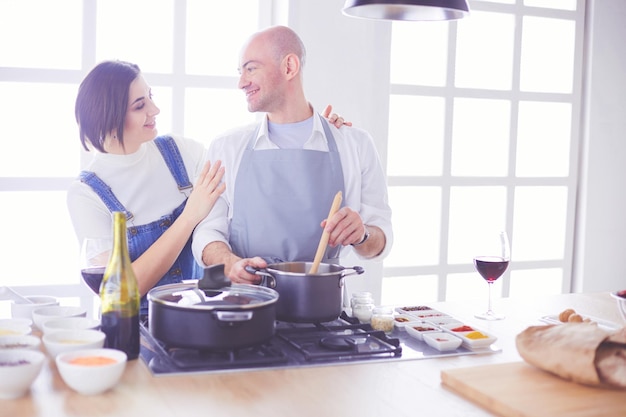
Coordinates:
(579, 352)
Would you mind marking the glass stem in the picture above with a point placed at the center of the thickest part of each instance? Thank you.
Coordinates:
(489, 310)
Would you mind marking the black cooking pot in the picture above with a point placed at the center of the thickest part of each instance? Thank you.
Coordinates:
(304, 297)
(233, 317)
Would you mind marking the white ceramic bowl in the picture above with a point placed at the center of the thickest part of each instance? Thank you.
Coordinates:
(472, 337)
(43, 314)
(412, 310)
(14, 329)
(417, 329)
(620, 297)
(90, 379)
(442, 321)
(442, 341)
(70, 323)
(18, 321)
(20, 342)
(25, 311)
(71, 340)
(18, 370)
(399, 320)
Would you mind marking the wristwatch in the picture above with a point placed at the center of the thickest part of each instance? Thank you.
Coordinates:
(365, 237)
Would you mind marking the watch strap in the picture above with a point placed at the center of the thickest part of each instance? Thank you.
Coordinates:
(365, 237)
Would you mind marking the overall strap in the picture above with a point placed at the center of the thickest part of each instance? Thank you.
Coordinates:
(104, 192)
(174, 161)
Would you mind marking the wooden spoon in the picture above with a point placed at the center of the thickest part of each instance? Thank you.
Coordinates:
(321, 248)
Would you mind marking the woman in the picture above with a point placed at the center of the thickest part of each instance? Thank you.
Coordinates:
(146, 176)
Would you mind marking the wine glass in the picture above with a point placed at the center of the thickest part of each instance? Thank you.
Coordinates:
(492, 261)
(94, 256)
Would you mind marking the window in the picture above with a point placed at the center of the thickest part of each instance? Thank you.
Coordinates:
(483, 126)
(192, 76)
(483, 134)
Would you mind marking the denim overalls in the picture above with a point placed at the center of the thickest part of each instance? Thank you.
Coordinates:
(140, 238)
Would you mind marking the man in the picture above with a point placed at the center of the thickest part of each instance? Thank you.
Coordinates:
(283, 174)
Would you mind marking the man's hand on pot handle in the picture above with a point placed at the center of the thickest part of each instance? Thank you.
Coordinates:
(239, 275)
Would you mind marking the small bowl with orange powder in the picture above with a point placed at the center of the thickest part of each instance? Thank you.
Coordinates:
(91, 371)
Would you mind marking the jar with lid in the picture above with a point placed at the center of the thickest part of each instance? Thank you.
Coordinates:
(362, 305)
(382, 319)
(362, 297)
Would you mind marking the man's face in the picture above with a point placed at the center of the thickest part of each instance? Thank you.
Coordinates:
(260, 77)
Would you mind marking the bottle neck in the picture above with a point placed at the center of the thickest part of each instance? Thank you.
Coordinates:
(120, 242)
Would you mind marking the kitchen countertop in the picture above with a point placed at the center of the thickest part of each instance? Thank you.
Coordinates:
(405, 388)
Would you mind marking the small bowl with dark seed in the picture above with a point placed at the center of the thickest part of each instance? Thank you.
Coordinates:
(19, 368)
(20, 342)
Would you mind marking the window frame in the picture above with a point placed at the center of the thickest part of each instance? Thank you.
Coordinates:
(445, 182)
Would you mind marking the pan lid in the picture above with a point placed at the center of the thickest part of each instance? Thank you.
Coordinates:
(234, 297)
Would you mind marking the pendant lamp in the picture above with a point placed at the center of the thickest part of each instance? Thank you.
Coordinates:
(412, 10)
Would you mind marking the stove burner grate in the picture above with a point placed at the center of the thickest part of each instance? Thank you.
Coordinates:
(341, 342)
(239, 358)
(186, 359)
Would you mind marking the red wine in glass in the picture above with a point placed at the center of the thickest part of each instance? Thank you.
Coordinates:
(94, 257)
(93, 277)
(490, 267)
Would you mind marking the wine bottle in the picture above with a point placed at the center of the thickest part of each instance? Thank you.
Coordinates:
(119, 295)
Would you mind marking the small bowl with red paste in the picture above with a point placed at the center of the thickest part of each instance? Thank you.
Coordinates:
(442, 341)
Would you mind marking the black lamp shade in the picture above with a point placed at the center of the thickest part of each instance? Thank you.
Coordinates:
(412, 10)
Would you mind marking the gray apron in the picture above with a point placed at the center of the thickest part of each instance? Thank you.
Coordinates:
(280, 198)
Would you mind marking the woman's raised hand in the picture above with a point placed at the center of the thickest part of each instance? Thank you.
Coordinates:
(206, 191)
(334, 118)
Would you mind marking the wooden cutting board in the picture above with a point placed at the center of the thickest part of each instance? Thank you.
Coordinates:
(521, 390)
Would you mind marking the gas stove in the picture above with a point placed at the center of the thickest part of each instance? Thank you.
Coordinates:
(343, 341)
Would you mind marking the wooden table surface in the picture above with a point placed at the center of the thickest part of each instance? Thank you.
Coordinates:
(405, 388)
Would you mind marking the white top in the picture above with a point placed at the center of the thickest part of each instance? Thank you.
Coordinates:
(365, 183)
(141, 181)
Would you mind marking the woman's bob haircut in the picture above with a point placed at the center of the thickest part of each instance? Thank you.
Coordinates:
(102, 102)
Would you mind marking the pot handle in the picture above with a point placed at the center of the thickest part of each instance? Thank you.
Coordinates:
(267, 279)
(351, 271)
(233, 315)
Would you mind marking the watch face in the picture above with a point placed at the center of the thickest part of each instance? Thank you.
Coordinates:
(365, 237)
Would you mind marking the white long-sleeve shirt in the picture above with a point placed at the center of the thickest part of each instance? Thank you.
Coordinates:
(365, 183)
(141, 181)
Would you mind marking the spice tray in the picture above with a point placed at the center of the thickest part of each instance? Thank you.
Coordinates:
(428, 321)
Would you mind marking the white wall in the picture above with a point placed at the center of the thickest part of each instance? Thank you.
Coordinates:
(601, 249)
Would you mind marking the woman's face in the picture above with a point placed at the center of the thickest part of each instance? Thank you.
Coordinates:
(140, 123)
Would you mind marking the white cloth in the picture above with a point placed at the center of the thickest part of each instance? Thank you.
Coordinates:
(365, 182)
(141, 182)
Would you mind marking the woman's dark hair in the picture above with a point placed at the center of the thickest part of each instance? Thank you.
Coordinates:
(102, 102)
